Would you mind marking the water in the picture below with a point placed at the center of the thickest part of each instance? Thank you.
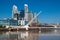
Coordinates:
(30, 35)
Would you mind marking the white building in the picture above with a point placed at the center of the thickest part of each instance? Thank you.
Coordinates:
(26, 12)
(30, 16)
(22, 22)
(14, 11)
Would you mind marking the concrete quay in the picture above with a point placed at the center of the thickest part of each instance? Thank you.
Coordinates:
(29, 28)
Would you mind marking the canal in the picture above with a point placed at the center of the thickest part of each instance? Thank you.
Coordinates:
(30, 35)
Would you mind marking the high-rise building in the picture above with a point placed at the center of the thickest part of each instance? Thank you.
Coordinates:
(14, 12)
(26, 11)
(22, 14)
(35, 20)
(30, 16)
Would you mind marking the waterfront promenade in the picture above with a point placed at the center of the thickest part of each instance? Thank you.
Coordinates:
(18, 28)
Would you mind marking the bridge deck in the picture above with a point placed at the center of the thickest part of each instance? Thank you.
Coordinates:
(37, 27)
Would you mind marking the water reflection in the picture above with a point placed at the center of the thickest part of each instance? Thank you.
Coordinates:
(25, 35)
(30, 35)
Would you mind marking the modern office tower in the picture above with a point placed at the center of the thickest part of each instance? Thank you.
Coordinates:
(14, 12)
(26, 11)
(36, 20)
(30, 16)
(22, 14)
(18, 16)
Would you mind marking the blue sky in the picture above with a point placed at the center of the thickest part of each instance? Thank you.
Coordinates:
(50, 9)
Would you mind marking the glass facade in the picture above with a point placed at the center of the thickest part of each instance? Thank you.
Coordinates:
(8, 22)
(13, 22)
(22, 14)
(4, 22)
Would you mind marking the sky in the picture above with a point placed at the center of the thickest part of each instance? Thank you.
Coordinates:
(50, 9)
